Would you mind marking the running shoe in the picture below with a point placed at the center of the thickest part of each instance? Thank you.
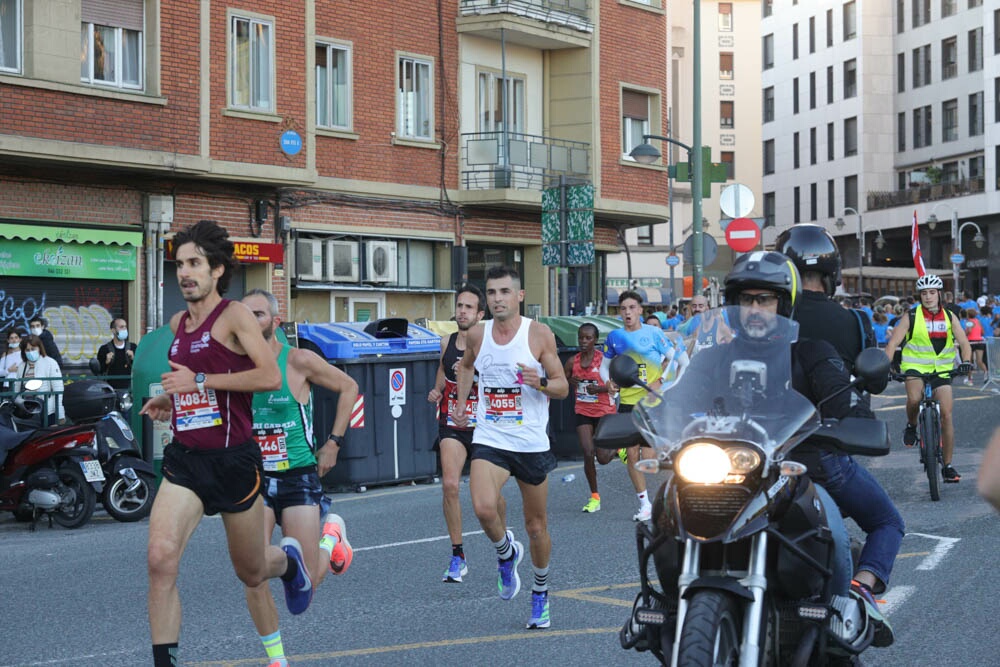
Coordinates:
(508, 581)
(593, 505)
(623, 455)
(539, 611)
(645, 513)
(298, 591)
(910, 435)
(950, 475)
(456, 570)
(334, 542)
(883, 631)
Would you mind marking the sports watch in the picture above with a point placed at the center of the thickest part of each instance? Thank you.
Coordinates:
(199, 381)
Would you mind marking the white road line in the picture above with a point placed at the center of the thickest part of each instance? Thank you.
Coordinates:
(944, 545)
(894, 598)
(420, 541)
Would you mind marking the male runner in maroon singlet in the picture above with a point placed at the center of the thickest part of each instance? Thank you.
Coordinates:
(218, 358)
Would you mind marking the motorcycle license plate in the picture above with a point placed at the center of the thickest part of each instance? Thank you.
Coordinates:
(92, 471)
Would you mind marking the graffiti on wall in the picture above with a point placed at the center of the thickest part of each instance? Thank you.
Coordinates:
(79, 327)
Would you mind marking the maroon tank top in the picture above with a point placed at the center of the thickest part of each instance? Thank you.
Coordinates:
(210, 419)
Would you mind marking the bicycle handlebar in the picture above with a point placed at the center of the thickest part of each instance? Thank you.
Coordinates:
(900, 377)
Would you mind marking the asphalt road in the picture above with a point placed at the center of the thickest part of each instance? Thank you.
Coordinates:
(79, 597)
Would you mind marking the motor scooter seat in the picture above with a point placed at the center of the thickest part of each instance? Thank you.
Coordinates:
(10, 440)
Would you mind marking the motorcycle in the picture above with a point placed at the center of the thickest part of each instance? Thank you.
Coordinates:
(51, 472)
(130, 486)
(739, 540)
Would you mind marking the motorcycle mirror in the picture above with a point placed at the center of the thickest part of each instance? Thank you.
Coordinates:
(33, 384)
(872, 370)
(624, 371)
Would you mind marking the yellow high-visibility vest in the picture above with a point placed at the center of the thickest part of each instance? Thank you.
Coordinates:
(918, 352)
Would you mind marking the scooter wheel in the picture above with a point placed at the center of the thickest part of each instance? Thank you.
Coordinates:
(128, 505)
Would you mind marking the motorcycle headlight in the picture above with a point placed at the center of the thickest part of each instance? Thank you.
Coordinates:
(705, 463)
(125, 402)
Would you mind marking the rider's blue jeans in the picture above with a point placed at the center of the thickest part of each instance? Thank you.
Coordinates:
(840, 582)
(862, 498)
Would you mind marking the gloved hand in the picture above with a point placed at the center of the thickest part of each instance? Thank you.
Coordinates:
(965, 368)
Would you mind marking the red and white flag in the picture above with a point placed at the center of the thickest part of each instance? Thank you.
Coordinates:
(918, 260)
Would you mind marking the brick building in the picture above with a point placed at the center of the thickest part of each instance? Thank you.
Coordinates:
(366, 156)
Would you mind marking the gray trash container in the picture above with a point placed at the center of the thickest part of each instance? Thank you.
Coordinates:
(393, 427)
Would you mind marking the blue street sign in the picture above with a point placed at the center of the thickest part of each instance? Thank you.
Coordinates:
(291, 142)
(673, 260)
(958, 258)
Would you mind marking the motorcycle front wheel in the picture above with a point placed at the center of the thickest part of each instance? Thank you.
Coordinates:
(712, 631)
(127, 506)
(80, 497)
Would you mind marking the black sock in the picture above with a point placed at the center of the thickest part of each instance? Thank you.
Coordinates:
(292, 571)
(456, 550)
(165, 655)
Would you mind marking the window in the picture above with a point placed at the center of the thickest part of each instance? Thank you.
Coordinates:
(813, 196)
(949, 58)
(900, 72)
(975, 3)
(829, 84)
(976, 49)
(726, 114)
(851, 192)
(921, 12)
(949, 172)
(850, 136)
(767, 51)
(850, 20)
(830, 199)
(635, 120)
(796, 205)
(901, 131)
(415, 263)
(795, 41)
(976, 114)
(10, 36)
(949, 118)
(644, 235)
(996, 31)
(812, 34)
(795, 150)
(948, 7)
(812, 90)
(725, 17)
(769, 208)
(726, 65)
(728, 158)
(491, 95)
(829, 141)
(922, 127)
(812, 145)
(769, 103)
(795, 95)
(976, 166)
(252, 64)
(769, 156)
(996, 100)
(111, 45)
(829, 27)
(922, 66)
(414, 87)
(766, 8)
(901, 180)
(900, 16)
(333, 86)
(850, 78)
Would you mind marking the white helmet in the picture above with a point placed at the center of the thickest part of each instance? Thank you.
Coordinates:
(929, 281)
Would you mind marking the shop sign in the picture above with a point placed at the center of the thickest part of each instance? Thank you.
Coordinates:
(259, 252)
(48, 259)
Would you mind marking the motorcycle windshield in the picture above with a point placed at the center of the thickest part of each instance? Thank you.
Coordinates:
(737, 387)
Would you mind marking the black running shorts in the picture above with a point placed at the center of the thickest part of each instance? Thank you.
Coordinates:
(463, 436)
(529, 467)
(225, 480)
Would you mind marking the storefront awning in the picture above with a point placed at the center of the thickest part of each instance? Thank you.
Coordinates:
(651, 296)
(612, 295)
(70, 234)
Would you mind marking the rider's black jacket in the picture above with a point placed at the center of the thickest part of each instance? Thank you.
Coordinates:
(821, 318)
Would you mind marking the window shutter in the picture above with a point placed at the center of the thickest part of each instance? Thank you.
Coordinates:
(635, 105)
(126, 14)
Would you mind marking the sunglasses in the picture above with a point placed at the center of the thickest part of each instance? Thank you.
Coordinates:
(766, 299)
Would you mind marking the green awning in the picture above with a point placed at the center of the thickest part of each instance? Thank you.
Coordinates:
(70, 234)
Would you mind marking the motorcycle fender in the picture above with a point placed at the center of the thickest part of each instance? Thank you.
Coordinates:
(725, 584)
(131, 462)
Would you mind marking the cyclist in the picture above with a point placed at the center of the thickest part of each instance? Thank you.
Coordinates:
(928, 346)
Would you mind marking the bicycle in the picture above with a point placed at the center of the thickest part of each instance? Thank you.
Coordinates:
(929, 427)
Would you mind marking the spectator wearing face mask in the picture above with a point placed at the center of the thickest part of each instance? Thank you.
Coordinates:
(38, 326)
(115, 357)
(10, 356)
(36, 364)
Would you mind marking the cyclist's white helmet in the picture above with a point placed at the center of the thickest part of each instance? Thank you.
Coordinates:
(929, 281)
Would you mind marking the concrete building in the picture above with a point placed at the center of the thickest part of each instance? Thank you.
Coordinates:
(879, 111)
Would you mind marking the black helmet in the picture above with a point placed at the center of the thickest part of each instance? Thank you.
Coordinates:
(812, 248)
(765, 270)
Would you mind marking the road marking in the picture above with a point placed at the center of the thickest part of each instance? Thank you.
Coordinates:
(420, 541)
(583, 594)
(944, 545)
(894, 598)
(912, 554)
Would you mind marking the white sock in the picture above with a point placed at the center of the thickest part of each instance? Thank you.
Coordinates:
(643, 498)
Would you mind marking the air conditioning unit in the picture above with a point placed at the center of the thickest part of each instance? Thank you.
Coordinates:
(342, 260)
(380, 261)
(309, 259)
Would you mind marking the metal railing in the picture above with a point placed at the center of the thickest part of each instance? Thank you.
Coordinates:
(534, 162)
(573, 13)
(992, 364)
(882, 199)
(11, 388)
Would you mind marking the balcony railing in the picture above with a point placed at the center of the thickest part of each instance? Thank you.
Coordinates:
(534, 161)
(878, 199)
(572, 13)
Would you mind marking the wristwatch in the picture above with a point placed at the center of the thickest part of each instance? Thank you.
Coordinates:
(339, 439)
(199, 381)
(543, 382)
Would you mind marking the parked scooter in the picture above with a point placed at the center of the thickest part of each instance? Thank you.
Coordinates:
(51, 472)
(739, 539)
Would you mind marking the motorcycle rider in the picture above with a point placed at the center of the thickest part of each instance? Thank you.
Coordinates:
(931, 347)
(815, 254)
(764, 284)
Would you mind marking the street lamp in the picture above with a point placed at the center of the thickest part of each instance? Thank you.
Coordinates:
(861, 245)
(956, 239)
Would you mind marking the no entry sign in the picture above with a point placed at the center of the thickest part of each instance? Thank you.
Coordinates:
(742, 235)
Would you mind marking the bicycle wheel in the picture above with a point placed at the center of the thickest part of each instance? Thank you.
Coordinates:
(930, 443)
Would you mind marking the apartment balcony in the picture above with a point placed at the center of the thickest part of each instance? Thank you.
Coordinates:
(879, 199)
(538, 24)
(535, 163)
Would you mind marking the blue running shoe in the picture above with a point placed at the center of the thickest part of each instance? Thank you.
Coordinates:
(509, 583)
(298, 591)
(539, 611)
(456, 570)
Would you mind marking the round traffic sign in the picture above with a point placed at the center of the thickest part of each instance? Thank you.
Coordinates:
(736, 200)
(958, 258)
(673, 260)
(742, 235)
